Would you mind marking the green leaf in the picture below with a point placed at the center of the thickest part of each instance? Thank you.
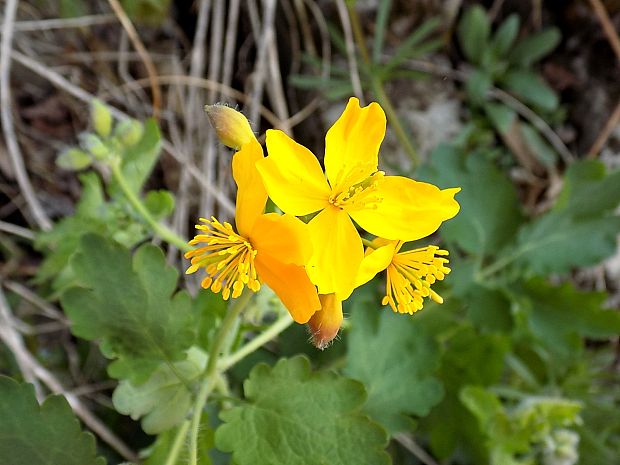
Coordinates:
(396, 360)
(74, 159)
(561, 316)
(157, 453)
(477, 85)
(489, 309)
(532, 89)
(412, 45)
(582, 216)
(500, 115)
(538, 146)
(473, 33)
(129, 305)
(383, 14)
(506, 34)
(296, 417)
(160, 203)
(138, 161)
(41, 435)
(490, 212)
(534, 47)
(164, 400)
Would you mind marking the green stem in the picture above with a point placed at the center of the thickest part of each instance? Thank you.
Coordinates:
(179, 440)
(379, 91)
(162, 231)
(209, 377)
(368, 243)
(270, 333)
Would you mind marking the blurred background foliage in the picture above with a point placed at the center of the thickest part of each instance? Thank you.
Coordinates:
(513, 101)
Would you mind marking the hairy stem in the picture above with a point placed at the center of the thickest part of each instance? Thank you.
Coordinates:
(210, 375)
(162, 231)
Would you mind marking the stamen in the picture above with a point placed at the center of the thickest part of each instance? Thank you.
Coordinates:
(227, 258)
(361, 195)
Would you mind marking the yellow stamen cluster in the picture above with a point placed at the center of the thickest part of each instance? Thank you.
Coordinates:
(410, 276)
(360, 195)
(227, 257)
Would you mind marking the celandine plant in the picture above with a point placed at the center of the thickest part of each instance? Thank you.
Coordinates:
(292, 257)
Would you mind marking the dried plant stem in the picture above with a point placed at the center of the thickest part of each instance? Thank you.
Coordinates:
(379, 91)
(39, 215)
(602, 137)
(408, 443)
(347, 20)
(63, 23)
(141, 49)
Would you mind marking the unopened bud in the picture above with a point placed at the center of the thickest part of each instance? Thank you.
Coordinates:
(101, 118)
(74, 159)
(325, 324)
(129, 132)
(232, 128)
(94, 145)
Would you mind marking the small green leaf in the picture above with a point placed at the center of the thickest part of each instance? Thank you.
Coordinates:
(477, 85)
(41, 435)
(139, 159)
(160, 203)
(473, 33)
(296, 417)
(538, 146)
(74, 159)
(532, 89)
(534, 47)
(164, 400)
(582, 215)
(486, 221)
(395, 359)
(129, 305)
(505, 35)
(500, 115)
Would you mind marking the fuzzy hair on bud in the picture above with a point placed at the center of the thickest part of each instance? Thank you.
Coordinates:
(325, 324)
(232, 128)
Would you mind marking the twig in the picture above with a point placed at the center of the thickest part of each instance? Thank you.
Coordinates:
(350, 44)
(408, 443)
(17, 230)
(602, 137)
(6, 117)
(614, 41)
(46, 308)
(141, 49)
(14, 342)
(86, 97)
(608, 27)
(63, 23)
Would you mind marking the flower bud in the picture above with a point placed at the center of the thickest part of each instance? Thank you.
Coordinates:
(101, 118)
(129, 132)
(74, 159)
(325, 323)
(232, 128)
(94, 145)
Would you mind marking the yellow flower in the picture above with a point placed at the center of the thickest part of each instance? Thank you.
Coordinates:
(410, 274)
(393, 207)
(267, 248)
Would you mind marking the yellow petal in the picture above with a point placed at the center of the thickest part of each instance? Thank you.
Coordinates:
(282, 236)
(374, 261)
(352, 144)
(338, 252)
(409, 210)
(251, 193)
(293, 176)
(325, 324)
(291, 284)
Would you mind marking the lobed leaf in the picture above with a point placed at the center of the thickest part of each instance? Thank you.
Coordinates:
(296, 417)
(48, 434)
(129, 305)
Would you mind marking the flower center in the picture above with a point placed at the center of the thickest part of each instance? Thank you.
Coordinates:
(227, 257)
(409, 278)
(362, 195)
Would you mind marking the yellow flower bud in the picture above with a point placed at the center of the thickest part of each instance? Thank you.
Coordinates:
(325, 323)
(232, 128)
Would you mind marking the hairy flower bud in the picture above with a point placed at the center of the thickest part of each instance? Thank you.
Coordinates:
(129, 132)
(232, 128)
(325, 323)
(101, 118)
